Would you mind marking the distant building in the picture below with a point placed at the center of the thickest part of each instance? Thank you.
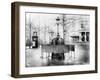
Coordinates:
(81, 35)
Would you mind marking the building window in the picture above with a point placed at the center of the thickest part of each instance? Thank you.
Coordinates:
(83, 36)
(87, 36)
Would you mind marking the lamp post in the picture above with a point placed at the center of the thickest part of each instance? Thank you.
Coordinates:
(51, 35)
(57, 22)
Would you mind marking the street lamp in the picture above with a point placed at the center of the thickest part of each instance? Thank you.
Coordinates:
(57, 22)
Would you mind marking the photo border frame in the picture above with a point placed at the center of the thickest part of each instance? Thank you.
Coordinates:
(15, 32)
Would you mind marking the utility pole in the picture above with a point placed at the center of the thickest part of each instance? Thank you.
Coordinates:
(30, 31)
(63, 24)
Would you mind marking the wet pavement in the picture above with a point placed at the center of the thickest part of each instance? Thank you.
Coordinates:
(37, 57)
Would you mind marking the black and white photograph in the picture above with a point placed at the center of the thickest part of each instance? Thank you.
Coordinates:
(56, 39)
(52, 39)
